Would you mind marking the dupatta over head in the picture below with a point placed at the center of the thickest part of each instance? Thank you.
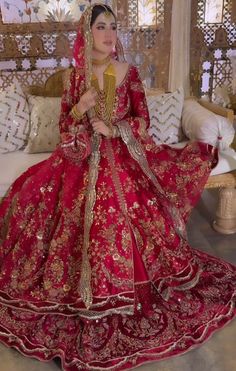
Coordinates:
(83, 45)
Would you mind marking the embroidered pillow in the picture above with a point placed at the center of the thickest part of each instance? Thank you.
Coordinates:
(153, 91)
(44, 130)
(199, 123)
(14, 119)
(165, 112)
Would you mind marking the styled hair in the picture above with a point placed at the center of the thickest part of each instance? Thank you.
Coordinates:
(99, 9)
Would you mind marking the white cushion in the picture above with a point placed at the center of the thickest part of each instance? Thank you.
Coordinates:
(44, 130)
(14, 119)
(165, 112)
(13, 164)
(199, 123)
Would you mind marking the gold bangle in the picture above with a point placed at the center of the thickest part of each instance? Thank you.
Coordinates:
(76, 113)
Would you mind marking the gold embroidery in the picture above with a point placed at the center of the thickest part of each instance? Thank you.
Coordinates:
(137, 152)
(85, 279)
(119, 191)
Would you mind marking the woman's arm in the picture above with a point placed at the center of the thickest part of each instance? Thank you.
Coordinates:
(139, 116)
(75, 104)
(139, 111)
(73, 123)
(69, 99)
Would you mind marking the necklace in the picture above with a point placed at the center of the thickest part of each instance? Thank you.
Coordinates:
(106, 97)
(101, 62)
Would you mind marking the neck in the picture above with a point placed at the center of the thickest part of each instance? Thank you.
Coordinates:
(101, 62)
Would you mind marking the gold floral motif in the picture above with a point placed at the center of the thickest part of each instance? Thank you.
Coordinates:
(57, 270)
(85, 279)
(137, 152)
(126, 239)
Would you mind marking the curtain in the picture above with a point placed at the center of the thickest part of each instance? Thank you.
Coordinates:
(179, 69)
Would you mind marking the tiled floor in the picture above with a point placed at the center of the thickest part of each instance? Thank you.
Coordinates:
(218, 354)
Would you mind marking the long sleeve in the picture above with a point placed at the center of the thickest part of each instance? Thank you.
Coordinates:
(74, 89)
(138, 103)
(137, 119)
(75, 136)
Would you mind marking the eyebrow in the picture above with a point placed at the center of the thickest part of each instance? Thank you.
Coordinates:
(104, 24)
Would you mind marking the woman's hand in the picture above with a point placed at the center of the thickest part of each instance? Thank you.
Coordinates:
(100, 128)
(88, 100)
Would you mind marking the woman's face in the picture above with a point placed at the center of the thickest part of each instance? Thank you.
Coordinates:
(104, 33)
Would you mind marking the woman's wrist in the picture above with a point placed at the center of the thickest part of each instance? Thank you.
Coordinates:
(81, 107)
(77, 113)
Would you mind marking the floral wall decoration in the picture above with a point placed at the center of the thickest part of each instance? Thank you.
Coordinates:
(146, 12)
(34, 11)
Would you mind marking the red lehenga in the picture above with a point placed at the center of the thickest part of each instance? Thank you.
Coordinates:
(95, 267)
(152, 295)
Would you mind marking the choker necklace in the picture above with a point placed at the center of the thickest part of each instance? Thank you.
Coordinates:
(101, 62)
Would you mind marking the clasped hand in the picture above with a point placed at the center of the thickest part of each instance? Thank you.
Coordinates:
(88, 101)
(100, 127)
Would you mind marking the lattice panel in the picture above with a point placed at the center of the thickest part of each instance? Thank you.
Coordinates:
(136, 12)
(49, 42)
(31, 47)
(222, 73)
(209, 29)
(133, 14)
(211, 45)
(25, 78)
(23, 42)
(37, 46)
(147, 47)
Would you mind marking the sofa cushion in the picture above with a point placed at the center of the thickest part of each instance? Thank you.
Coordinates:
(165, 112)
(44, 117)
(14, 119)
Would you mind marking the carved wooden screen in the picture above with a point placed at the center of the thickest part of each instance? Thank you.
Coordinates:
(146, 40)
(32, 50)
(213, 40)
(37, 37)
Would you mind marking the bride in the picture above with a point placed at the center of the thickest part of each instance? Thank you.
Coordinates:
(95, 265)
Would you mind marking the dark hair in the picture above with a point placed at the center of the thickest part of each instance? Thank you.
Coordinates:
(99, 9)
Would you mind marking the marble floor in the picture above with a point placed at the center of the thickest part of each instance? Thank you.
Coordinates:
(218, 354)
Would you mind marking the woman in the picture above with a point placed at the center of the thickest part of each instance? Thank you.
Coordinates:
(95, 264)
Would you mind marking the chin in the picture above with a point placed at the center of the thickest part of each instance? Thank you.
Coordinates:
(107, 50)
(104, 50)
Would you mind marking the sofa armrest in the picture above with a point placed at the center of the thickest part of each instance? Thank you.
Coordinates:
(201, 122)
(218, 110)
